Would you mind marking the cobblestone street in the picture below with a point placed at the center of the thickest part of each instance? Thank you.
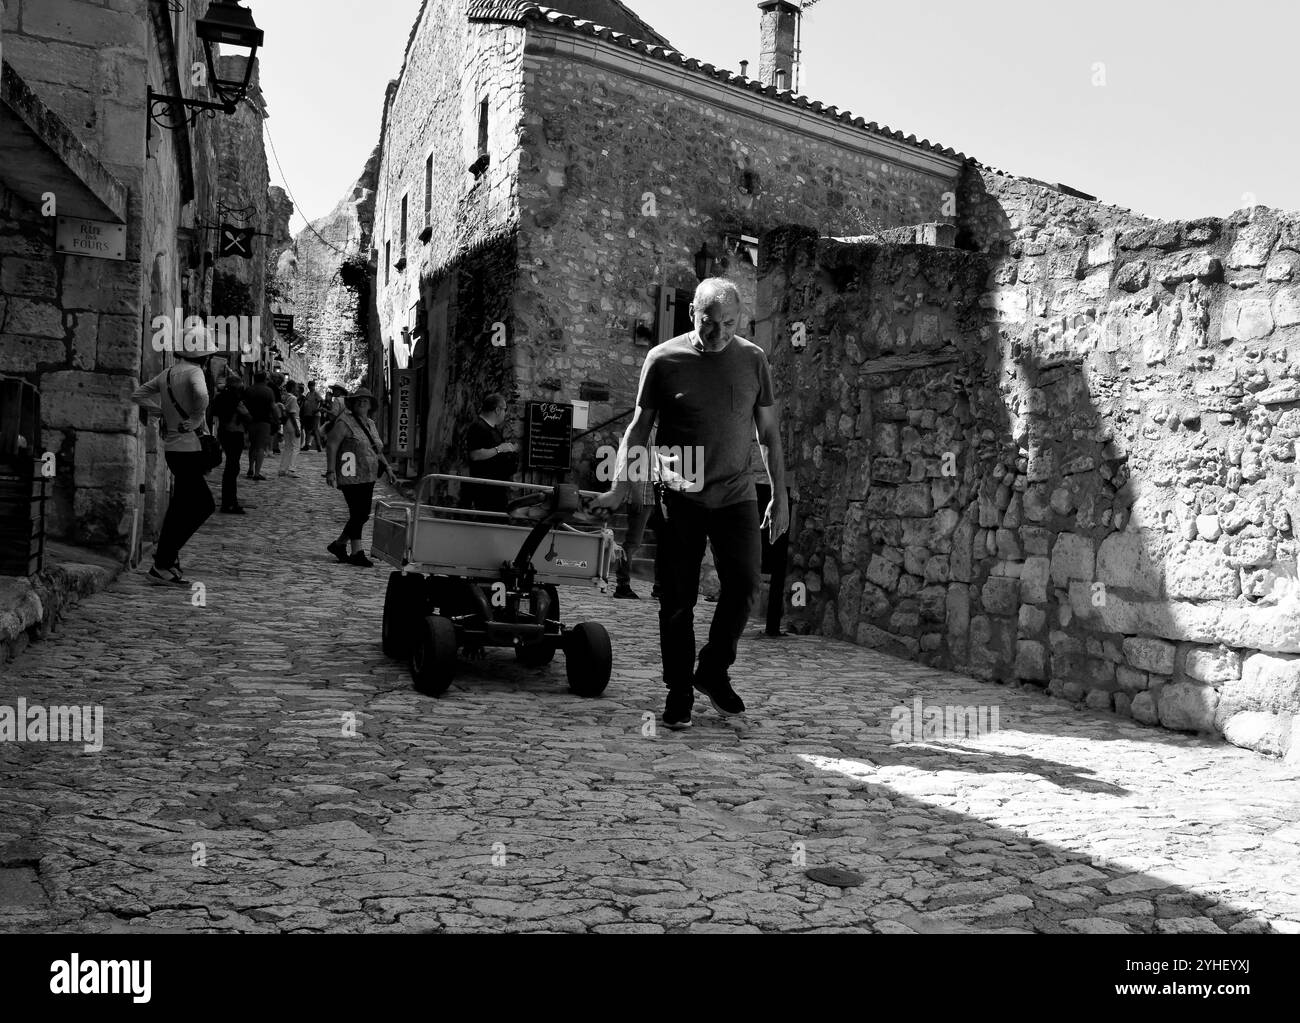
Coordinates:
(228, 795)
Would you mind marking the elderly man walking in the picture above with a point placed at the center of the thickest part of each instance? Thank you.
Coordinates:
(710, 392)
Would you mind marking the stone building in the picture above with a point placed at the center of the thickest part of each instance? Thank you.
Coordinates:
(549, 179)
(1067, 458)
(73, 129)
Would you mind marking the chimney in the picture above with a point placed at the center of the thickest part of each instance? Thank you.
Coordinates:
(744, 64)
(777, 41)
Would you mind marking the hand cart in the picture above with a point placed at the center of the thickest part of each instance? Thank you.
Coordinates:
(470, 579)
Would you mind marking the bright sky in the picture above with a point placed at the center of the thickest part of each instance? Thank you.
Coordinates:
(1196, 116)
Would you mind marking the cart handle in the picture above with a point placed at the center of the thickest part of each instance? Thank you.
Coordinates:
(424, 483)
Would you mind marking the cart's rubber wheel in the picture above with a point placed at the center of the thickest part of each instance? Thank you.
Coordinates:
(403, 609)
(535, 655)
(588, 658)
(433, 661)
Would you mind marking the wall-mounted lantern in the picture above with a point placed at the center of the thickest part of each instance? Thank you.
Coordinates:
(226, 24)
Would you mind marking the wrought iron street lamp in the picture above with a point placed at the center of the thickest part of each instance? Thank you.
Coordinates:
(228, 25)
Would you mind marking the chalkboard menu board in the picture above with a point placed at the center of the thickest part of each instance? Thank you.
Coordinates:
(550, 435)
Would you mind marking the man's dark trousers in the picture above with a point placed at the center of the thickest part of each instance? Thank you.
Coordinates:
(733, 532)
(232, 443)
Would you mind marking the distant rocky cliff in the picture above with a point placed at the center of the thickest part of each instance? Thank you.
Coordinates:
(324, 276)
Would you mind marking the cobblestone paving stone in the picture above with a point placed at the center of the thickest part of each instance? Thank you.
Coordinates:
(229, 798)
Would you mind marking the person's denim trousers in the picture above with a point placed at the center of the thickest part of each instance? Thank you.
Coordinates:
(733, 532)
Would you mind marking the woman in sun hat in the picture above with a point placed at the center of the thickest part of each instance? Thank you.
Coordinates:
(355, 458)
(179, 396)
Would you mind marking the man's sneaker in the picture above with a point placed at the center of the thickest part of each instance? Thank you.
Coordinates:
(721, 695)
(677, 711)
(168, 577)
(360, 560)
(234, 510)
(626, 593)
(340, 550)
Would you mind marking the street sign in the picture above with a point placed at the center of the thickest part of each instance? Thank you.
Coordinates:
(283, 323)
(236, 241)
(550, 436)
(403, 413)
(95, 238)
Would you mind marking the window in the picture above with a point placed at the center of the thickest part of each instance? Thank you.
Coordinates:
(402, 248)
(673, 314)
(388, 260)
(428, 191)
(481, 164)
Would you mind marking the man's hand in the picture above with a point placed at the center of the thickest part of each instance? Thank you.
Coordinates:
(611, 501)
(777, 519)
(507, 447)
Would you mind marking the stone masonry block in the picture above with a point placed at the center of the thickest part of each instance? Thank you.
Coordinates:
(76, 22)
(1188, 707)
(1213, 665)
(1153, 655)
(1001, 596)
(27, 354)
(1269, 683)
(33, 318)
(1034, 576)
(28, 277)
(1203, 578)
(1031, 661)
(88, 401)
(883, 573)
(119, 345)
(104, 460)
(1073, 557)
(1124, 561)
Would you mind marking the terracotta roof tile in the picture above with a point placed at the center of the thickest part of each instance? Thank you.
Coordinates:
(523, 11)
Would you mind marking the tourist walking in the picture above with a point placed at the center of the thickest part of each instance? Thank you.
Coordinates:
(355, 458)
(260, 400)
(180, 395)
(233, 422)
(707, 390)
(292, 431)
(310, 407)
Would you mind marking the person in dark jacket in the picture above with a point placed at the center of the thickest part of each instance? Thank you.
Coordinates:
(260, 400)
(491, 457)
(233, 421)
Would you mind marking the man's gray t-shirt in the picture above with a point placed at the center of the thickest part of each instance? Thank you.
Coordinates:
(708, 400)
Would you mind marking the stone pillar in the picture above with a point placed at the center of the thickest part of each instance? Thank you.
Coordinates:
(777, 41)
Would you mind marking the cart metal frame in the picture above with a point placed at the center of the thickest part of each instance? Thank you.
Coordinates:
(466, 578)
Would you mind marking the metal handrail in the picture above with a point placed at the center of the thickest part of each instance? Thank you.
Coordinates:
(607, 422)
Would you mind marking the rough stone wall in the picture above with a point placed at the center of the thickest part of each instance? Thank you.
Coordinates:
(433, 112)
(86, 60)
(591, 256)
(1097, 493)
(244, 186)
